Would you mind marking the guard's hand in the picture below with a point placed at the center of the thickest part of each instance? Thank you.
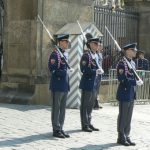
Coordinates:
(99, 71)
(139, 82)
(71, 70)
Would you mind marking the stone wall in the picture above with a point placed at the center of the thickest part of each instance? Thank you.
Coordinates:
(25, 76)
(55, 14)
(19, 51)
(19, 39)
(143, 7)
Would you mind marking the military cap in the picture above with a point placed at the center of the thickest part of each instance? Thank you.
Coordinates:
(95, 40)
(130, 46)
(88, 36)
(63, 37)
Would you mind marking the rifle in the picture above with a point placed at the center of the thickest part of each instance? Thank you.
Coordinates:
(128, 63)
(99, 67)
(50, 36)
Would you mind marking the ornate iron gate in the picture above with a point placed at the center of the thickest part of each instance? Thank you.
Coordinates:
(122, 23)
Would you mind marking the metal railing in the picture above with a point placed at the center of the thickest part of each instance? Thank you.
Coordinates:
(142, 92)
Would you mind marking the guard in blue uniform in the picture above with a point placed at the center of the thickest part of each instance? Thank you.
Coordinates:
(88, 84)
(59, 86)
(126, 95)
(141, 62)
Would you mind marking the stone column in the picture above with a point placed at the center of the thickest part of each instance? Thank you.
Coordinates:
(20, 34)
(143, 7)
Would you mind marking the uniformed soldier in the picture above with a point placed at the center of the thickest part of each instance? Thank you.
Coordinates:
(59, 86)
(126, 95)
(88, 84)
(141, 62)
(99, 77)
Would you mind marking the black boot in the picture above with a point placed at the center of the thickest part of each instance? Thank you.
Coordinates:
(86, 129)
(130, 142)
(93, 128)
(58, 134)
(96, 105)
(65, 134)
(100, 107)
(122, 140)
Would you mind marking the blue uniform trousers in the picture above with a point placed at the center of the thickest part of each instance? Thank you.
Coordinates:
(58, 110)
(124, 118)
(87, 103)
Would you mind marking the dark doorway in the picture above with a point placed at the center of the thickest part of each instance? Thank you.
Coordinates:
(1, 34)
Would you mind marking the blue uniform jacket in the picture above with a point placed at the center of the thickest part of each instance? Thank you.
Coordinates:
(127, 83)
(59, 77)
(88, 67)
(142, 64)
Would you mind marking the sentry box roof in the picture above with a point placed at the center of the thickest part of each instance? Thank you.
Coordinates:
(74, 29)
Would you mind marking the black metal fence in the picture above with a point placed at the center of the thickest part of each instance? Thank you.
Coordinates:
(122, 23)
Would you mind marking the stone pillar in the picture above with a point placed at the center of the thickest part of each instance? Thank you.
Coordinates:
(19, 40)
(144, 23)
(19, 67)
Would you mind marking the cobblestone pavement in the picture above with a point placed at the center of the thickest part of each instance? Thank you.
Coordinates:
(26, 127)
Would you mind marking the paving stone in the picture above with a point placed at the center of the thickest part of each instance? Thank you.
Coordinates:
(28, 127)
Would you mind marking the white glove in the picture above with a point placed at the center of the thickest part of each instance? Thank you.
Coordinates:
(139, 82)
(71, 70)
(99, 71)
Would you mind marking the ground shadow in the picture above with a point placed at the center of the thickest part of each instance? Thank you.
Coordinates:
(96, 147)
(74, 131)
(27, 139)
(25, 107)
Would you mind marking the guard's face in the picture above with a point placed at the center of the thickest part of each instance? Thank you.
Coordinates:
(64, 44)
(94, 46)
(100, 47)
(131, 52)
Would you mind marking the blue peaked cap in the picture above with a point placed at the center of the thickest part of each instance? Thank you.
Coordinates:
(130, 46)
(96, 40)
(63, 37)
